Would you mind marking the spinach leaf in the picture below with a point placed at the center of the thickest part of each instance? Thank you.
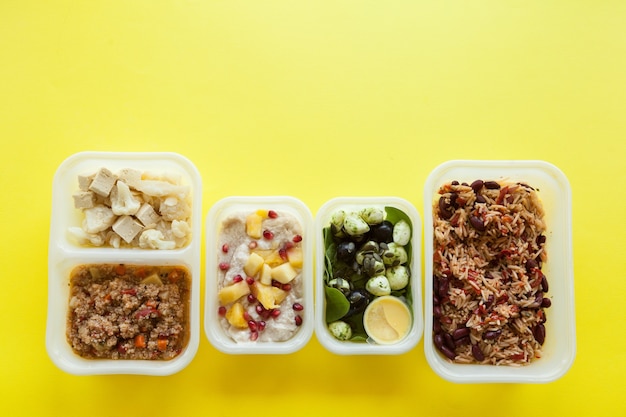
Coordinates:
(337, 305)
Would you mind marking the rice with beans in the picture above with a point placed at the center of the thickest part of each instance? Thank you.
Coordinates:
(488, 287)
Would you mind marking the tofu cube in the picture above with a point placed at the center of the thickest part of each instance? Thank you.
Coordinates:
(84, 181)
(84, 199)
(147, 215)
(132, 177)
(127, 227)
(103, 182)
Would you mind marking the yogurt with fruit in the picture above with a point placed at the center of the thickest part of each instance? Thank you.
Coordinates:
(260, 284)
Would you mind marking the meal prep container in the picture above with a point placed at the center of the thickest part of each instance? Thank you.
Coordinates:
(554, 191)
(219, 212)
(321, 330)
(64, 254)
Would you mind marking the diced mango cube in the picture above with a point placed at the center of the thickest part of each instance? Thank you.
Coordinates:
(263, 213)
(284, 273)
(233, 292)
(253, 264)
(254, 226)
(235, 317)
(295, 256)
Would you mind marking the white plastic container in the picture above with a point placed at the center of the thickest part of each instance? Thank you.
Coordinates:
(238, 205)
(559, 348)
(64, 254)
(368, 348)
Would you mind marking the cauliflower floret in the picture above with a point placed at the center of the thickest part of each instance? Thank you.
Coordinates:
(98, 218)
(173, 208)
(180, 228)
(122, 200)
(162, 188)
(84, 238)
(154, 239)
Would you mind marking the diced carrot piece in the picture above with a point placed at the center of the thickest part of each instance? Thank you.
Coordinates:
(140, 341)
(162, 344)
(120, 269)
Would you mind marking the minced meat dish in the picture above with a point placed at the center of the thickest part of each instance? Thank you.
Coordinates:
(119, 311)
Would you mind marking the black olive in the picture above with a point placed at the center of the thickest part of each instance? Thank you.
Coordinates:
(346, 250)
(382, 232)
(359, 299)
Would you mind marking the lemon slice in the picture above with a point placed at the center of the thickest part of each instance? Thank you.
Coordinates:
(387, 320)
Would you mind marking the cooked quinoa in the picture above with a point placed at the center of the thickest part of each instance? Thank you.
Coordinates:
(128, 311)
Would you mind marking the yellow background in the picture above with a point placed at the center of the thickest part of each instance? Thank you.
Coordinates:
(313, 99)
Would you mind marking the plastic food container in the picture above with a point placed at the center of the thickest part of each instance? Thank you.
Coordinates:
(244, 205)
(64, 253)
(322, 221)
(554, 191)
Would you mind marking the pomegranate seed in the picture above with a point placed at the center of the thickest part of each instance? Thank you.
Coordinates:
(225, 248)
(246, 316)
(298, 320)
(283, 253)
(298, 307)
(250, 280)
(259, 309)
(251, 298)
(272, 214)
(297, 238)
(253, 244)
(286, 287)
(261, 325)
(254, 336)
(275, 312)
(224, 266)
(268, 235)
(252, 325)
(276, 284)
(237, 278)
(289, 245)
(221, 311)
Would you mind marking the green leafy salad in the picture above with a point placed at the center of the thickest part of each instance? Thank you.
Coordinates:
(367, 255)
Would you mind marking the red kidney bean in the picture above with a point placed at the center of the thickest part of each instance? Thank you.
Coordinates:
(477, 223)
(492, 334)
(491, 185)
(435, 300)
(480, 199)
(436, 326)
(477, 186)
(530, 265)
(539, 332)
(443, 288)
(448, 352)
(438, 341)
(462, 341)
(445, 210)
(541, 239)
(477, 353)
(460, 333)
(449, 342)
(546, 302)
(437, 311)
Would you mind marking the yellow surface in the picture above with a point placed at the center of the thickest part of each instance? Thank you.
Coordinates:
(313, 99)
